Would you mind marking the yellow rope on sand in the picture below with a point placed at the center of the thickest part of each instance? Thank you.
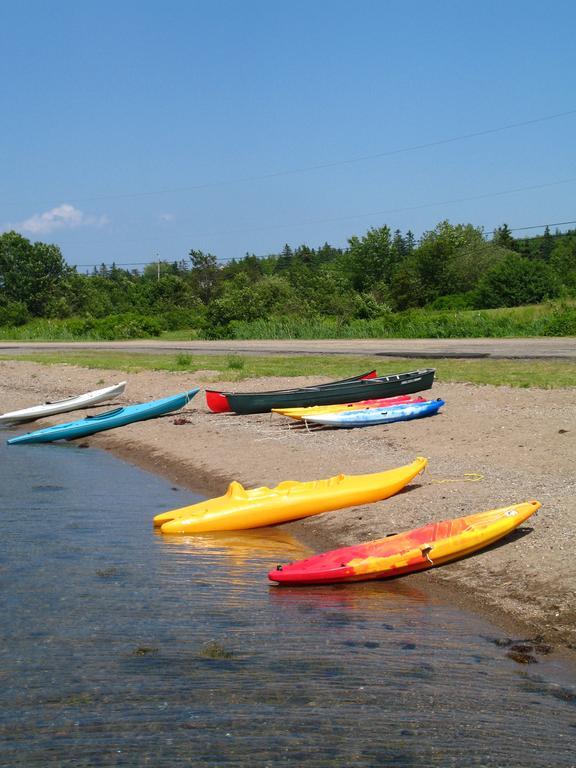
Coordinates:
(467, 477)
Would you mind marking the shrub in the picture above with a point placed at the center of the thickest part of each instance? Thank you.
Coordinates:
(515, 281)
(454, 301)
(13, 313)
(128, 326)
(178, 319)
(561, 322)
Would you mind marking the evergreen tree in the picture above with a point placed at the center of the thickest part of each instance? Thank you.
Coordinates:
(204, 274)
(398, 246)
(409, 242)
(546, 245)
(284, 261)
(503, 237)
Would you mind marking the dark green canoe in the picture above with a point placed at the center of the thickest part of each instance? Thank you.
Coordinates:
(217, 401)
(344, 392)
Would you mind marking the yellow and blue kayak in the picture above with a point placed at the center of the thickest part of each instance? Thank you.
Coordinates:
(369, 416)
(239, 508)
(319, 410)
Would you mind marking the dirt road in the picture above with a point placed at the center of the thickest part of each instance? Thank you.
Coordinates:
(524, 348)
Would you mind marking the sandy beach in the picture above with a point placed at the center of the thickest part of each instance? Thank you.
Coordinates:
(489, 447)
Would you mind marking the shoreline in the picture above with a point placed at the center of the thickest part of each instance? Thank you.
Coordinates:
(520, 442)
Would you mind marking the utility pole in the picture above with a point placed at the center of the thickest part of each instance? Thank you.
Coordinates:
(158, 267)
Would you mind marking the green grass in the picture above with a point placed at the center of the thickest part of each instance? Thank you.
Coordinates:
(545, 374)
(556, 318)
(183, 334)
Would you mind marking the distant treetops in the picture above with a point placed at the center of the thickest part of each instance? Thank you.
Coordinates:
(453, 266)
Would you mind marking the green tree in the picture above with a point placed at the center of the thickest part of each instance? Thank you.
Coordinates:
(406, 289)
(284, 261)
(159, 269)
(515, 281)
(371, 258)
(503, 237)
(170, 292)
(244, 300)
(205, 274)
(546, 245)
(13, 312)
(30, 273)
(436, 253)
(409, 242)
(87, 296)
(400, 246)
(563, 259)
(327, 254)
(470, 262)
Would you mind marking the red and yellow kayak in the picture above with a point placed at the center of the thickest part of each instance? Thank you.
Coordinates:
(240, 508)
(433, 544)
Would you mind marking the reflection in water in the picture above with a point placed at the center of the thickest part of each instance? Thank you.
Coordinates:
(239, 546)
(125, 648)
(370, 595)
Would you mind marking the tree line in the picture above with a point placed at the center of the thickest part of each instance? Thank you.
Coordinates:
(453, 266)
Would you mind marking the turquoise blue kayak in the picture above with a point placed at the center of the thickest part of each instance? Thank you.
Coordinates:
(108, 420)
(368, 416)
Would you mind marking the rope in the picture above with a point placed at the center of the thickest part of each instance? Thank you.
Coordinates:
(467, 477)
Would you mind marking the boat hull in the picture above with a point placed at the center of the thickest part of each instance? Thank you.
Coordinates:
(63, 406)
(350, 391)
(118, 417)
(371, 416)
(320, 410)
(218, 402)
(240, 509)
(416, 550)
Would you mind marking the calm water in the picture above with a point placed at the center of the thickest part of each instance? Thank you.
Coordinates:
(121, 647)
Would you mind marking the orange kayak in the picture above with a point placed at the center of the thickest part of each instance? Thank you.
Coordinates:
(415, 550)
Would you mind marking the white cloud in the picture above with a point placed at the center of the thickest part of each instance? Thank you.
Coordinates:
(64, 216)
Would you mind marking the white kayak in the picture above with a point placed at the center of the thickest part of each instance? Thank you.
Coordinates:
(63, 406)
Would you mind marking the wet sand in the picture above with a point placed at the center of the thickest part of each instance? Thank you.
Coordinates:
(488, 447)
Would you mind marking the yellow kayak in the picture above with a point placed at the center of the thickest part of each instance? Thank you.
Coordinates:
(239, 508)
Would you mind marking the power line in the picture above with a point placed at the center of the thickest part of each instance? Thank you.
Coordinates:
(388, 211)
(369, 215)
(535, 226)
(158, 262)
(322, 166)
(353, 216)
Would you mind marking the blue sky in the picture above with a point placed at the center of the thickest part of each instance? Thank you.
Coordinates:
(133, 131)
